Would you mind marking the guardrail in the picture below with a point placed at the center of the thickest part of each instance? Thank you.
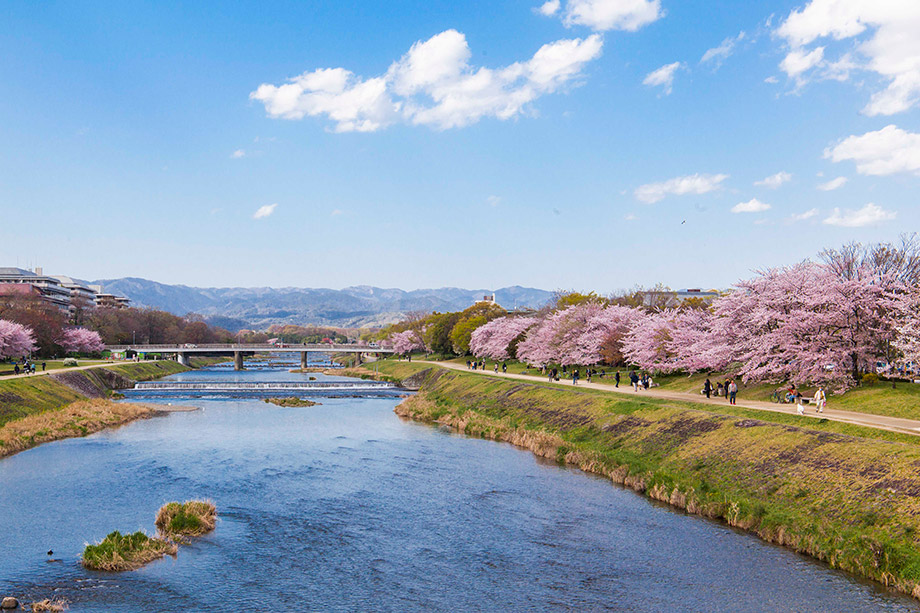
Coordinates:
(248, 347)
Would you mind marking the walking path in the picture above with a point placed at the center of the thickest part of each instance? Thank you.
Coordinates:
(882, 422)
(39, 373)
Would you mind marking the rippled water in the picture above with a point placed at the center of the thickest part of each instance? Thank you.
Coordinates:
(344, 506)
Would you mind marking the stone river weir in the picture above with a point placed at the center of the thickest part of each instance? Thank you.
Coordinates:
(343, 506)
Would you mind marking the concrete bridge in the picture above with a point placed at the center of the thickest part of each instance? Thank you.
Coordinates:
(238, 350)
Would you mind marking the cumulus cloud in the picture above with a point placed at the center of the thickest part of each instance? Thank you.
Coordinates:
(264, 211)
(549, 8)
(603, 15)
(663, 76)
(433, 84)
(238, 154)
(833, 184)
(723, 51)
(883, 152)
(751, 206)
(886, 43)
(803, 216)
(869, 215)
(774, 181)
(678, 186)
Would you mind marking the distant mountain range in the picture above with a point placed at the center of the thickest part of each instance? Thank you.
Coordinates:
(235, 308)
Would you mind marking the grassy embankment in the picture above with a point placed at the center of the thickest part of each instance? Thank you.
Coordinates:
(39, 409)
(882, 398)
(8, 368)
(844, 494)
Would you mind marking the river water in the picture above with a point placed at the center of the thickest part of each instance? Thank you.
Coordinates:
(346, 507)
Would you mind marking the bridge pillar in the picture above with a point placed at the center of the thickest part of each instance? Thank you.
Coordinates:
(304, 359)
(357, 358)
(182, 358)
(237, 360)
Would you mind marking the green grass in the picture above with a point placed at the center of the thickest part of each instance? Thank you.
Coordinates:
(902, 400)
(844, 494)
(120, 552)
(6, 368)
(20, 397)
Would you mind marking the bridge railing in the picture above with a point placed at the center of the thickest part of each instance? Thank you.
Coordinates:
(246, 347)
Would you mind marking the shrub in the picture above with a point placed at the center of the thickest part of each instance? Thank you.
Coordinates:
(191, 518)
(70, 362)
(118, 552)
(870, 378)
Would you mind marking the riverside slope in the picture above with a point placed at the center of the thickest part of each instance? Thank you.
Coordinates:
(851, 501)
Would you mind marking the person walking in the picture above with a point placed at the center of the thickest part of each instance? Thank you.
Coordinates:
(732, 391)
(504, 368)
(634, 379)
(821, 399)
(616, 379)
(44, 365)
(646, 382)
(707, 388)
(575, 377)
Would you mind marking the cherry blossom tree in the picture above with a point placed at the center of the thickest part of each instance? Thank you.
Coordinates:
(601, 338)
(407, 341)
(905, 319)
(648, 344)
(81, 340)
(493, 340)
(15, 339)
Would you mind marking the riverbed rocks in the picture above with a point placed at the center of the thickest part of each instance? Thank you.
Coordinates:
(9, 603)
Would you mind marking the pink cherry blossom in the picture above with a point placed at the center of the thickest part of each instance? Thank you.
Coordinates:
(81, 340)
(15, 340)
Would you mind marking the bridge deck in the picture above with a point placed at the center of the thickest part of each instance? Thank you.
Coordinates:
(260, 347)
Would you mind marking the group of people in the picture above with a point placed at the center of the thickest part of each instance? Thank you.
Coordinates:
(728, 390)
(820, 400)
(481, 365)
(28, 367)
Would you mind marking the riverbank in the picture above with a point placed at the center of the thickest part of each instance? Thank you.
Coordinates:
(851, 501)
(68, 404)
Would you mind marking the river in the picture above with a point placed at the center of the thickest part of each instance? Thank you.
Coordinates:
(346, 507)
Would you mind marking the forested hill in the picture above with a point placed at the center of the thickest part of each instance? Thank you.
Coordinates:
(258, 307)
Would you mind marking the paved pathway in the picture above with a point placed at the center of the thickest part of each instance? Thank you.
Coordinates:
(882, 422)
(39, 372)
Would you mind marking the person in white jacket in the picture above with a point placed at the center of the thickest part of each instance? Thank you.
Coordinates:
(820, 399)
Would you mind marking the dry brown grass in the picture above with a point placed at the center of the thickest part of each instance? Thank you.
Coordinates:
(291, 402)
(191, 518)
(76, 419)
(52, 606)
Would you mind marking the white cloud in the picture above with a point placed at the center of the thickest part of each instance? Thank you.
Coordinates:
(887, 43)
(723, 51)
(630, 217)
(494, 200)
(774, 181)
(336, 212)
(264, 211)
(238, 154)
(751, 206)
(678, 186)
(833, 184)
(870, 214)
(798, 61)
(883, 152)
(771, 79)
(803, 216)
(663, 76)
(549, 8)
(602, 15)
(432, 84)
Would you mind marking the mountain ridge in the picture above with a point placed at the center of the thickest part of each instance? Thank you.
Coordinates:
(353, 306)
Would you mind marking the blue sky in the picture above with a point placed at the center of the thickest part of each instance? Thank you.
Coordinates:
(342, 143)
